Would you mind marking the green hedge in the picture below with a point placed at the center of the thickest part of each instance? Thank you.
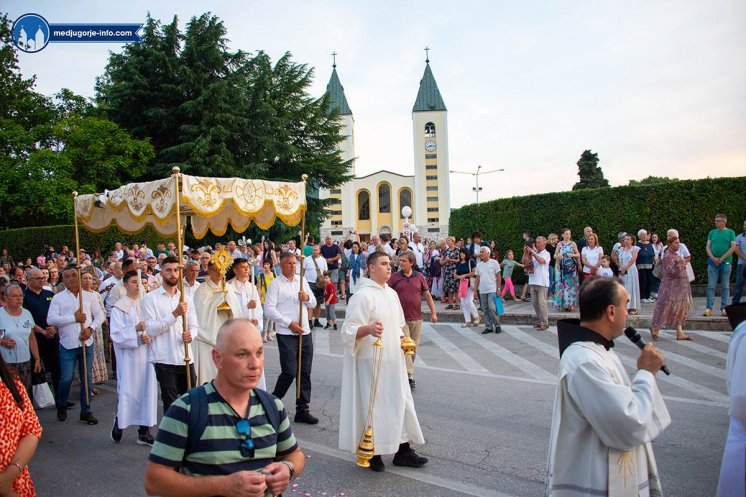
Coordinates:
(689, 206)
(29, 242)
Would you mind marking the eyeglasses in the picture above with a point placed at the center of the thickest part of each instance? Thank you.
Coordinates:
(247, 446)
(38, 278)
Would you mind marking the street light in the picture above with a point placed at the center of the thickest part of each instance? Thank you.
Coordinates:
(477, 189)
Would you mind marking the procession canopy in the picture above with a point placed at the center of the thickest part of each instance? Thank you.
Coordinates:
(211, 203)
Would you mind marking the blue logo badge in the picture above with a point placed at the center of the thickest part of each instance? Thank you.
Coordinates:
(31, 33)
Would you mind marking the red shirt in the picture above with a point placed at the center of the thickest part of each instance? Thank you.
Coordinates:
(329, 290)
(410, 290)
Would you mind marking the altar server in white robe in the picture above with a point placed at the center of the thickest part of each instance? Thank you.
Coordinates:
(733, 467)
(248, 301)
(137, 387)
(603, 425)
(374, 311)
(207, 298)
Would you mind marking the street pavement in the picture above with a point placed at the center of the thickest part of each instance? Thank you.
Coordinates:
(485, 406)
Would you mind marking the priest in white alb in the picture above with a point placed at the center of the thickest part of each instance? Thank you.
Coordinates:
(137, 387)
(215, 302)
(374, 311)
(248, 301)
(603, 424)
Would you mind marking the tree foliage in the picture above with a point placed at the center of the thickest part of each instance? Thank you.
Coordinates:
(50, 147)
(652, 180)
(591, 175)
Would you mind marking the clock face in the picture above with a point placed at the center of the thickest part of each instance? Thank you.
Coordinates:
(430, 145)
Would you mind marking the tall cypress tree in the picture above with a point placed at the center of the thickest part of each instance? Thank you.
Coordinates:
(591, 175)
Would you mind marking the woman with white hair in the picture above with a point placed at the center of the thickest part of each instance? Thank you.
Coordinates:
(645, 260)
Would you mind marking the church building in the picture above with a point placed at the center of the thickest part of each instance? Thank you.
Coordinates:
(373, 204)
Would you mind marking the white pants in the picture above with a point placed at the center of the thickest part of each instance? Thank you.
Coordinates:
(437, 288)
(467, 306)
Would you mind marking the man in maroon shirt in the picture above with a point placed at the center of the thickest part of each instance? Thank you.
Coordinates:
(410, 285)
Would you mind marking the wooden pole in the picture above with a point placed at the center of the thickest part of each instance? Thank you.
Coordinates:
(80, 300)
(180, 250)
(300, 286)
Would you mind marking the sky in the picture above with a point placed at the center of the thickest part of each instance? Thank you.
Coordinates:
(654, 88)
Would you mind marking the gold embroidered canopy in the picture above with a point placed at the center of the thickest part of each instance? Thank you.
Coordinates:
(211, 203)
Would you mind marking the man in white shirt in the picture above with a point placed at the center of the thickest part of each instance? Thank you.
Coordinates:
(191, 271)
(418, 248)
(118, 251)
(538, 282)
(488, 280)
(314, 268)
(600, 417)
(297, 252)
(281, 305)
(66, 315)
(163, 313)
(375, 242)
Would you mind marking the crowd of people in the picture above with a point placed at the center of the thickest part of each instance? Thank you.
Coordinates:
(63, 317)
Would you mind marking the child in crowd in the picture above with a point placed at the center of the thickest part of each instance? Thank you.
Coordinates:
(508, 265)
(330, 301)
(605, 270)
(265, 278)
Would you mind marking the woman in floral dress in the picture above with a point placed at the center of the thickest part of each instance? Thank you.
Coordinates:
(672, 305)
(448, 259)
(566, 282)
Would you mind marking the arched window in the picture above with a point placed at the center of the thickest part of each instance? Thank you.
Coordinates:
(363, 206)
(405, 198)
(384, 198)
(429, 130)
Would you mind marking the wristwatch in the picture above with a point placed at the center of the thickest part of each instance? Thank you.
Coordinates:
(291, 467)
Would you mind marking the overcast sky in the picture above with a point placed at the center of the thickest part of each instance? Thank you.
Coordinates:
(654, 87)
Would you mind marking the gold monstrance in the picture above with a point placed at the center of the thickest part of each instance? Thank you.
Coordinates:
(222, 260)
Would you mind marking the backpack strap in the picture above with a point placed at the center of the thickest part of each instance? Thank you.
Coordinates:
(198, 410)
(270, 408)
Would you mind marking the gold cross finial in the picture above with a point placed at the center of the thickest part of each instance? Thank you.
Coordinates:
(427, 55)
(334, 59)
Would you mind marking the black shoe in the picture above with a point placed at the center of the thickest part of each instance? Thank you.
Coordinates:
(335, 326)
(498, 329)
(376, 464)
(327, 326)
(116, 432)
(310, 325)
(412, 385)
(317, 324)
(305, 417)
(62, 413)
(70, 405)
(87, 418)
(145, 439)
(409, 458)
(487, 330)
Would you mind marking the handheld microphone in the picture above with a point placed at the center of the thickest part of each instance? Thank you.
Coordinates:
(634, 337)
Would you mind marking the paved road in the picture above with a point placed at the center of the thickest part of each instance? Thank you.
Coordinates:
(485, 405)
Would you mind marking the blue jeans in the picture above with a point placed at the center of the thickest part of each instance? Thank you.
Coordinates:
(715, 273)
(738, 291)
(68, 358)
(487, 302)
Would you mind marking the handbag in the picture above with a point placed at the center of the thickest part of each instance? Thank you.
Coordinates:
(657, 270)
(320, 284)
(690, 271)
(42, 395)
(499, 305)
(463, 288)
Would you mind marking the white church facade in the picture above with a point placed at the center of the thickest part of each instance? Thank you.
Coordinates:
(373, 204)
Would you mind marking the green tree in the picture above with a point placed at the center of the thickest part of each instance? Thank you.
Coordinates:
(215, 112)
(591, 175)
(652, 180)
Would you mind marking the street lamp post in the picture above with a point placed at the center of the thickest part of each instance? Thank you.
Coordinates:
(477, 189)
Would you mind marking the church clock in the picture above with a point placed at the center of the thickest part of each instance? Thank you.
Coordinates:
(430, 145)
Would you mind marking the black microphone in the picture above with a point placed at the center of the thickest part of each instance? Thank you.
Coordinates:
(635, 338)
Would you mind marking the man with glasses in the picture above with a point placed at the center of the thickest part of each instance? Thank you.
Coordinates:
(257, 453)
(721, 243)
(36, 299)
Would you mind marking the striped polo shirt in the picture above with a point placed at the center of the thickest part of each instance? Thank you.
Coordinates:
(218, 451)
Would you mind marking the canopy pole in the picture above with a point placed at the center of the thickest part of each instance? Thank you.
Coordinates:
(80, 301)
(300, 285)
(180, 250)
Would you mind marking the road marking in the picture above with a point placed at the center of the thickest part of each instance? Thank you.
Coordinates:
(524, 337)
(504, 354)
(452, 350)
(722, 336)
(321, 342)
(695, 346)
(674, 357)
(420, 475)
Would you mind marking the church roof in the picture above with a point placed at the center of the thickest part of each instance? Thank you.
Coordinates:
(337, 93)
(428, 98)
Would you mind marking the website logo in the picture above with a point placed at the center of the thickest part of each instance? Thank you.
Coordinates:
(32, 33)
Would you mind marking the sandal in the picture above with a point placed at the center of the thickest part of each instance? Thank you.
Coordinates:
(633, 312)
(449, 306)
(467, 325)
(477, 320)
(654, 334)
(542, 327)
(456, 307)
(684, 337)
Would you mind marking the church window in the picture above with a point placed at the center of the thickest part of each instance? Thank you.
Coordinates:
(430, 167)
(432, 199)
(363, 206)
(431, 156)
(336, 223)
(432, 188)
(405, 199)
(433, 220)
(429, 130)
(432, 209)
(431, 176)
(384, 198)
(337, 191)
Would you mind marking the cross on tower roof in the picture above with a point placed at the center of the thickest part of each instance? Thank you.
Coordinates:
(334, 59)
(427, 55)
